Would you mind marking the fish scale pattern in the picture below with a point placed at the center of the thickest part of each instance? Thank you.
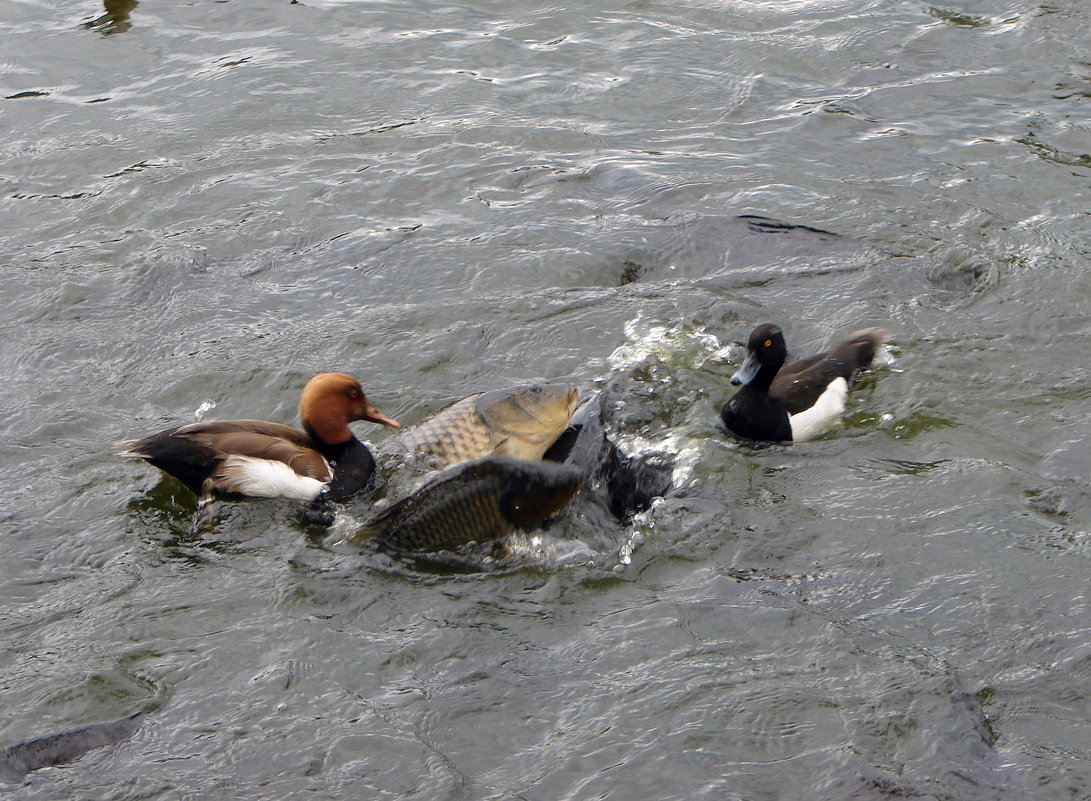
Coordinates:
(459, 433)
(469, 512)
(477, 501)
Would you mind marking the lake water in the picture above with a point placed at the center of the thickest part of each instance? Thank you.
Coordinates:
(205, 203)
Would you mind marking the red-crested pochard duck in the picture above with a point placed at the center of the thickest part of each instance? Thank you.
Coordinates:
(270, 460)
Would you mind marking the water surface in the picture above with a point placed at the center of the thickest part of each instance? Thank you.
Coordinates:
(205, 204)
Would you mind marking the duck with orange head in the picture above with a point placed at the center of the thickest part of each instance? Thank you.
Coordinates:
(269, 460)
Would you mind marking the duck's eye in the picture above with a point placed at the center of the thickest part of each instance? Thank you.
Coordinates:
(536, 389)
(768, 343)
(353, 392)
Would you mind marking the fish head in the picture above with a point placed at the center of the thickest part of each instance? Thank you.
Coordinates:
(529, 417)
(533, 491)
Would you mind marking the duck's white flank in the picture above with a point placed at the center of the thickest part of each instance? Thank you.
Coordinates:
(820, 417)
(265, 478)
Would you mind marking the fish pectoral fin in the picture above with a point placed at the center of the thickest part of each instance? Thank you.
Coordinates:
(369, 531)
(381, 526)
(504, 447)
(538, 437)
(520, 447)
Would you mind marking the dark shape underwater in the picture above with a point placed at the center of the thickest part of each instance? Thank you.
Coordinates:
(16, 761)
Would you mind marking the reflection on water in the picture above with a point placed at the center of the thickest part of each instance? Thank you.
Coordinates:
(115, 19)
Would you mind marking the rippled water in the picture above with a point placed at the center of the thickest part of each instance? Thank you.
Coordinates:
(203, 204)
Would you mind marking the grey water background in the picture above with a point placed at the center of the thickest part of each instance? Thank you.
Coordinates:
(208, 202)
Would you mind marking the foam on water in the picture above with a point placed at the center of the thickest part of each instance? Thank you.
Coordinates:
(670, 345)
(203, 409)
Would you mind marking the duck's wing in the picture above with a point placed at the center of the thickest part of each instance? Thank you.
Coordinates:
(263, 427)
(800, 365)
(800, 384)
(257, 439)
(799, 390)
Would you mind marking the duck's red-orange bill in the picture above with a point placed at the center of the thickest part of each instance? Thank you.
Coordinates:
(375, 416)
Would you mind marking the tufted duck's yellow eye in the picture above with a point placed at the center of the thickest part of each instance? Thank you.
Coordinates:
(768, 342)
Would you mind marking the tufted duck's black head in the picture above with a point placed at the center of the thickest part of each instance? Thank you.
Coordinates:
(765, 355)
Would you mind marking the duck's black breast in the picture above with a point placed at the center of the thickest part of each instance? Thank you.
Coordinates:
(756, 414)
(353, 469)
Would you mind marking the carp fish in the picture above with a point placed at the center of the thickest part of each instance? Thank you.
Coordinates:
(520, 422)
(478, 501)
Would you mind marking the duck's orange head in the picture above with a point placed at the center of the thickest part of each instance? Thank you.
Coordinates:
(333, 400)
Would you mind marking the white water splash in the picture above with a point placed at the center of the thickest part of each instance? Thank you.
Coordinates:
(884, 357)
(341, 533)
(625, 552)
(674, 346)
(549, 550)
(203, 408)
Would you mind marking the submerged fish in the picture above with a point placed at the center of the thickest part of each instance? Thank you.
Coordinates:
(479, 501)
(16, 761)
(521, 422)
